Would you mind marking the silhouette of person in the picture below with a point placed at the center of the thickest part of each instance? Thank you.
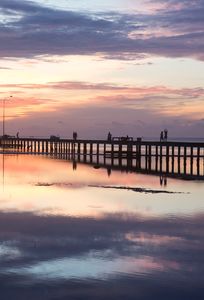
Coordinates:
(17, 135)
(165, 134)
(161, 136)
(74, 135)
(109, 136)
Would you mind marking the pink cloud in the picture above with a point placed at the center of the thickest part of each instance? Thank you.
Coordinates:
(77, 85)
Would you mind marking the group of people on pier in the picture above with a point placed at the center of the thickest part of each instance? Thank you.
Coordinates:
(164, 135)
(119, 138)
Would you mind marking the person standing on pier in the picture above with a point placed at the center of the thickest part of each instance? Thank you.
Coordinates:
(109, 136)
(74, 135)
(165, 134)
(161, 136)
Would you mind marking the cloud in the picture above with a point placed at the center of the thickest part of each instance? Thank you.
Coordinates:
(4, 68)
(32, 30)
(195, 92)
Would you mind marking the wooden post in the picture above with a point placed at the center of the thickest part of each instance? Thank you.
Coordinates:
(139, 152)
(104, 153)
(120, 153)
(198, 161)
(161, 157)
(146, 156)
(185, 159)
(129, 154)
(91, 152)
(150, 157)
(85, 151)
(191, 161)
(172, 159)
(35, 146)
(156, 159)
(167, 159)
(179, 159)
(38, 142)
(112, 153)
(43, 149)
(97, 152)
(78, 150)
(47, 148)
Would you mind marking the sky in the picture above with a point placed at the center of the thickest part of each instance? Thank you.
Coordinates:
(125, 66)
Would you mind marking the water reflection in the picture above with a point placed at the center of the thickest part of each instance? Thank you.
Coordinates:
(120, 250)
(177, 162)
(163, 180)
(75, 234)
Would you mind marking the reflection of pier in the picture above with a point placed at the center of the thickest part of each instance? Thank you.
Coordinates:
(131, 168)
(175, 159)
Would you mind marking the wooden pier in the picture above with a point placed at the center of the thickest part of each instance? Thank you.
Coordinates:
(169, 157)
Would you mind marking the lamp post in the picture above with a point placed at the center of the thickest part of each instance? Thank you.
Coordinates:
(4, 101)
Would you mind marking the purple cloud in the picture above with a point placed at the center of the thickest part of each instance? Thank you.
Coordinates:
(32, 29)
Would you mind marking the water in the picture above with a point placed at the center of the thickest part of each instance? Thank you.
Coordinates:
(78, 232)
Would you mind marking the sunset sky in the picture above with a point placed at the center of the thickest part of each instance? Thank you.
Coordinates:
(125, 66)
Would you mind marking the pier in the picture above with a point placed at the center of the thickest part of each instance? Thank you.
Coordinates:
(175, 159)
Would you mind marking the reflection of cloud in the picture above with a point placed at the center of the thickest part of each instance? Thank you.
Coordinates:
(69, 234)
(135, 251)
(87, 267)
(9, 253)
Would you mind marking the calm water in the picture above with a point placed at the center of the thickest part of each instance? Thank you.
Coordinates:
(81, 233)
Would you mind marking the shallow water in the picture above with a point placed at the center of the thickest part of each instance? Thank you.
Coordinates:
(78, 232)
